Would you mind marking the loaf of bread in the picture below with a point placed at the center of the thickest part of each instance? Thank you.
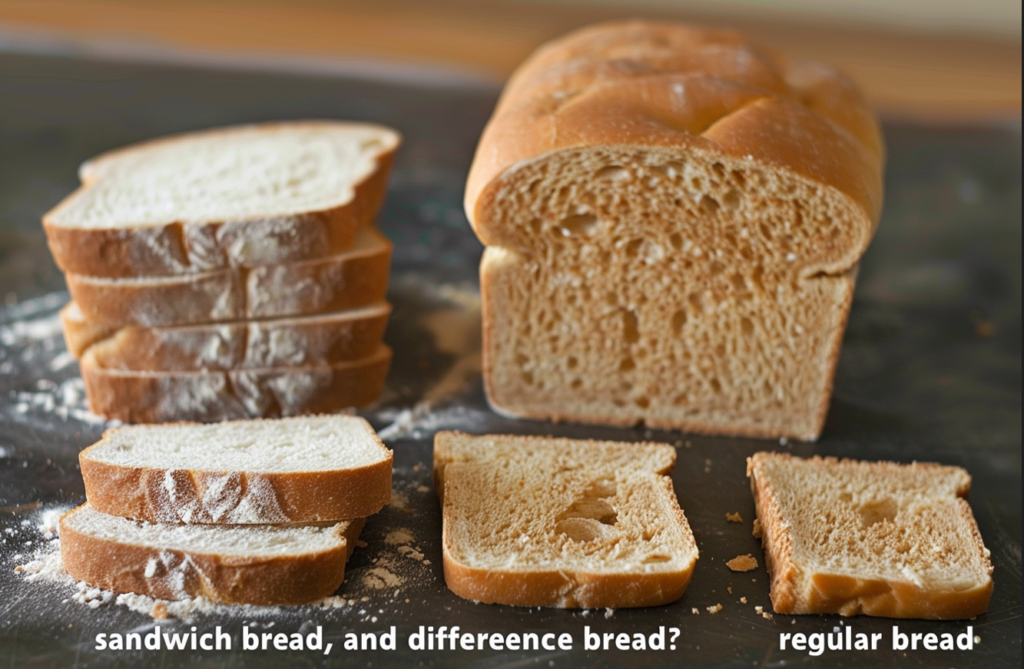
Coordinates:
(214, 395)
(300, 341)
(673, 219)
(533, 521)
(293, 470)
(872, 538)
(233, 197)
(234, 564)
(354, 278)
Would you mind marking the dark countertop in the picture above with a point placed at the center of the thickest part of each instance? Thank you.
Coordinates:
(930, 370)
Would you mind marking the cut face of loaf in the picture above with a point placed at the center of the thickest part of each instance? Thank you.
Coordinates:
(293, 470)
(532, 521)
(230, 197)
(210, 395)
(351, 279)
(872, 538)
(234, 564)
(674, 220)
(317, 339)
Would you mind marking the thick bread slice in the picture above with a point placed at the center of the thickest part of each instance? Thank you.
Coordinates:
(292, 470)
(317, 339)
(208, 396)
(533, 521)
(234, 564)
(229, 197)
(663, 203)
(872, 538)
(351, 279)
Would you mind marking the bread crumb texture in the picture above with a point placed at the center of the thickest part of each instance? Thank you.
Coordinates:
(673, 219)
(537, 521)
(874, 538)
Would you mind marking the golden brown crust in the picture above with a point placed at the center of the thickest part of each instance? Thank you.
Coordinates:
(356, 278)
(182, 248)
(316, 340)
(141, 493)
(791, 126)
(796, 589)
(207, 396)
(266, 581)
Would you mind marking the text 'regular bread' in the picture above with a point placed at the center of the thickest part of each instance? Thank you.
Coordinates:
(674, 218)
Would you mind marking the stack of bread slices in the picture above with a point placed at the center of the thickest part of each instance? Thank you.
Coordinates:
(231, 273)
(255, 512)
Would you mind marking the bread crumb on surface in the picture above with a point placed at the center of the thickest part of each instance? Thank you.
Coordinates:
(758, 609)
(729, 589)
(742, 563)
(715, 609)
(743, 600)
(734, 517)
(695, 611)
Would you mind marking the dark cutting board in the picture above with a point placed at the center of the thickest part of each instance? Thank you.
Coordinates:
(930, 370)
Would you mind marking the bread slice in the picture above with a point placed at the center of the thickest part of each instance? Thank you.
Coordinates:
(674, 217)
(292, 470)
(533, 521)
(316, 339)
(872, 538)
(233, 564)
(211, 395)
(355, 278)
(231, 197)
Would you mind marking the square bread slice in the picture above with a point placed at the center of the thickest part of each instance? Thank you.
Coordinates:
(297, 341)
(214, 395)
(354, 278)
(534, 521)
(292, 470)
(233, 564)
(872, 538)
(229, 197)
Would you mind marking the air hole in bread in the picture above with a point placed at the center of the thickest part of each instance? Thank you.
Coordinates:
(612, 172)
(717, 267)
(536, 225)
(627, 365)
(746, 326)
(719, 170)
(580, 224)
(678, 321)
(709, 205)
(696, 302)
(653, 559)
(676, 240)
(576, 384)
(643, 402)
(765, 231)
(528, 378)
(731, 200)
(877, 511)
(633, 247)
(716, 385)
(591, 516)
(720, 350)
(571, 362)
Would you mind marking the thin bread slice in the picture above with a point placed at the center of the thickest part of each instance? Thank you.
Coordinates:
(229, 197)
(232, 564)
(315, 339)
(872, 538)
(212, 395)
(351, 279)
(533, 521)
(292, 470)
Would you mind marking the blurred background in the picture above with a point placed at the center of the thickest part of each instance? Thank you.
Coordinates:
(946, 60)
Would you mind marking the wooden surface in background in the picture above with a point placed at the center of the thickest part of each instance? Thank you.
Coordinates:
(911, 74)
